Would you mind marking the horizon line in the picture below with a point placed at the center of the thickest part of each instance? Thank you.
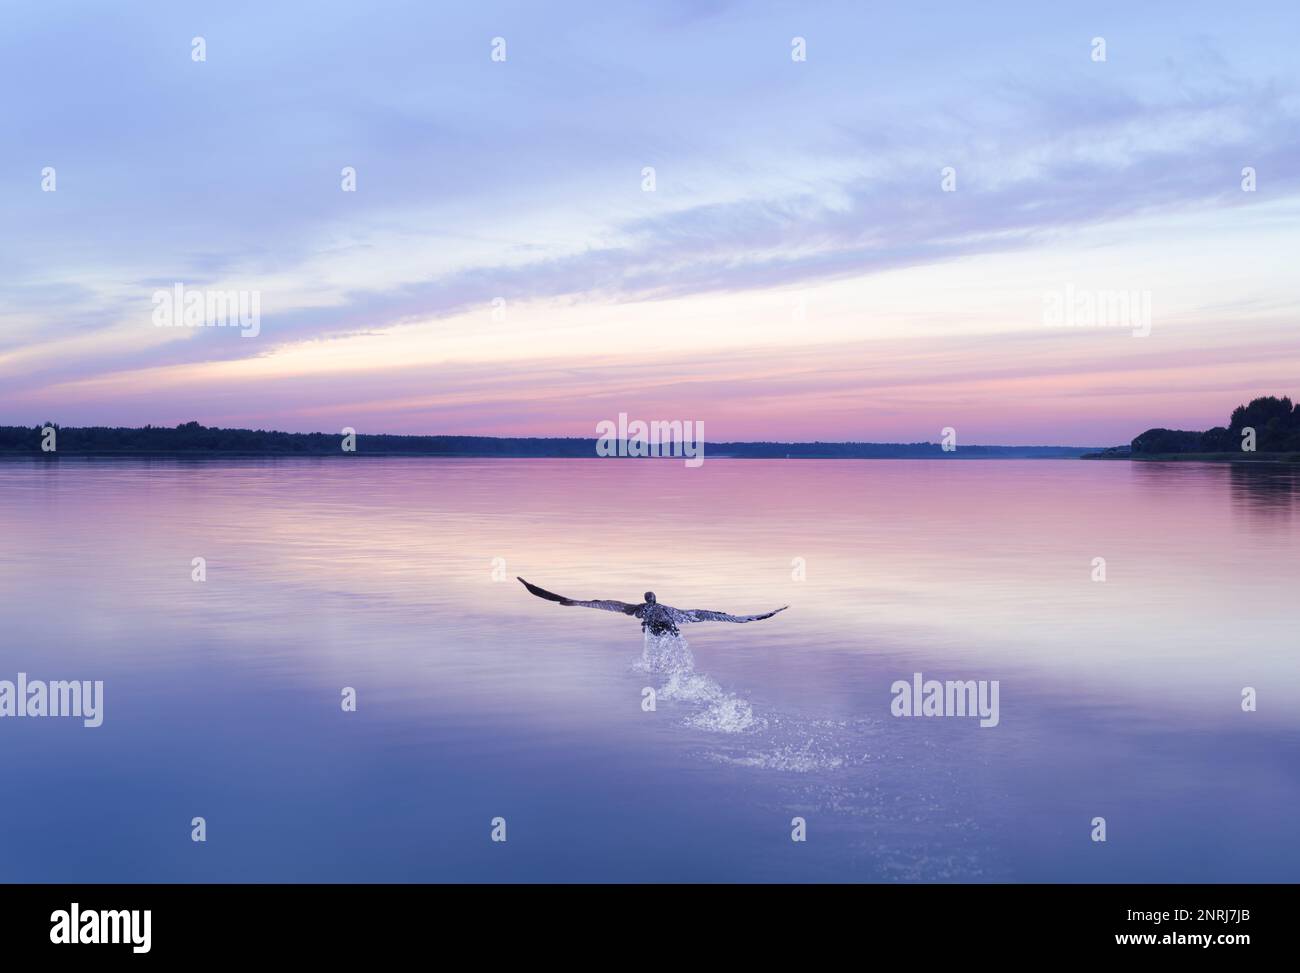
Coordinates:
(591, 438)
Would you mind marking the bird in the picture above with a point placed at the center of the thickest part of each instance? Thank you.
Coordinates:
(656, 618)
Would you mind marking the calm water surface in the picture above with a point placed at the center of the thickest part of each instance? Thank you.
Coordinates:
(1119, 699)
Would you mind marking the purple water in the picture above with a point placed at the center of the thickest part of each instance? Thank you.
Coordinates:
(1119, 698)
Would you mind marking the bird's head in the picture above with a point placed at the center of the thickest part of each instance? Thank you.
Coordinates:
(650, 597)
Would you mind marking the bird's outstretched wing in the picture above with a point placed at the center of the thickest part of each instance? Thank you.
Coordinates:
(682, 617)
(606, 606)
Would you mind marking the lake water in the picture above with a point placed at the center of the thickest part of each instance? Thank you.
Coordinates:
(1119, 699)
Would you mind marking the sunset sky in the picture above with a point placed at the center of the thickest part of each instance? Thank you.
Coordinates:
(797, 273)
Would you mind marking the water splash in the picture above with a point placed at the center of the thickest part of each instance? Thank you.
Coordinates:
(797, 745)
(849, 771)
(718, 710)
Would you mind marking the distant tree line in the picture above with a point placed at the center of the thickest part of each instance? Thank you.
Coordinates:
(1276, 423)
(193, 438)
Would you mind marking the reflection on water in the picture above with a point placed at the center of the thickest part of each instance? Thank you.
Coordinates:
(1264, 490)
(1118, 698)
